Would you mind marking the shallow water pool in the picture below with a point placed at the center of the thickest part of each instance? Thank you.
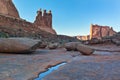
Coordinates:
(50, 70)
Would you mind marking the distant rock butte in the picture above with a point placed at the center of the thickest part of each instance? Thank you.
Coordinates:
(97, 31)
(9, 19)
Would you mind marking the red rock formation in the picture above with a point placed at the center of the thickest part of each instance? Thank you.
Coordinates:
(8, 8)
(44, 21)
(97, 31)
(11, 23)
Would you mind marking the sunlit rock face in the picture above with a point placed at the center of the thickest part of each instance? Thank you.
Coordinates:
(97, 31)
(8, 8)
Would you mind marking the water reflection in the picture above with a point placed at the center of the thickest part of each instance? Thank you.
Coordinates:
(51, 69)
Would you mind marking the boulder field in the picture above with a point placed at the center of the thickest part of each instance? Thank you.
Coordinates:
(101, 65)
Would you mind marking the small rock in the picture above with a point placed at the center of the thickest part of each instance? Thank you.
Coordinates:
(116, 41)
(53, 45)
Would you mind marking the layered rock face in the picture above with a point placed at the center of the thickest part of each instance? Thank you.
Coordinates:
(8, 8)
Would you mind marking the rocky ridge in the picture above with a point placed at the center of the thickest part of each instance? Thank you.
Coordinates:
(10, 20)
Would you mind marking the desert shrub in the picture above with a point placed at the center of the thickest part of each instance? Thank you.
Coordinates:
(3, 35)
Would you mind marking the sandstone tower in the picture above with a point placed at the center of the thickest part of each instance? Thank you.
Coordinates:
(44, 21)
(8, 8)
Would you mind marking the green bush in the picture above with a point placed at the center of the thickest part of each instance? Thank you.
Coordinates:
(3, 35)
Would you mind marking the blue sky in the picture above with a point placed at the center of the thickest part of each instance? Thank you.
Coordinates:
(73, 17)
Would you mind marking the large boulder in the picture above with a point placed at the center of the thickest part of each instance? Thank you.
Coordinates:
(84, 49)
(71, 46)
(77, 46)
(18, 45)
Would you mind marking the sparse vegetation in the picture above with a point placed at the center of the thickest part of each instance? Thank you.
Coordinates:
(3, 35)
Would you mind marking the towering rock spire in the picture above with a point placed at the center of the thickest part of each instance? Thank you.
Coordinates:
(8, 8)
(44, 21)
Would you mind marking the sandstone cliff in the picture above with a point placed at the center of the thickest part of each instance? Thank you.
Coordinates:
(98, 32)
(8, 8)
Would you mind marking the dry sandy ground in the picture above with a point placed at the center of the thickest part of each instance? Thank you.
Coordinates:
(99, 66)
